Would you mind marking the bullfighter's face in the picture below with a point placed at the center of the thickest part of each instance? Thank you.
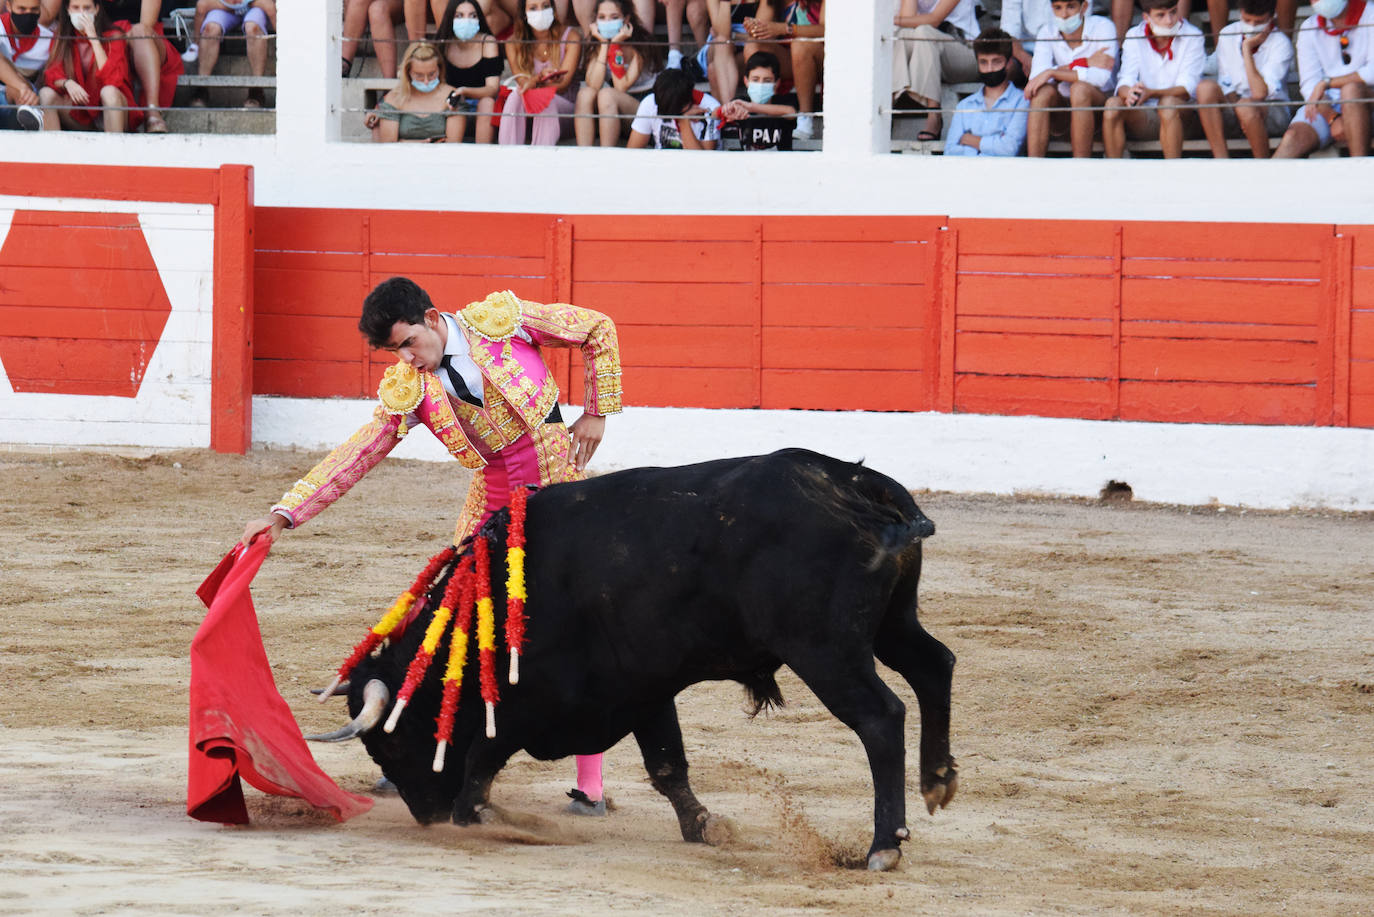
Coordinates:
(422, 345)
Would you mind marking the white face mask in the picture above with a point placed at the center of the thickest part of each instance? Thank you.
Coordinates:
(1252, 28)
(80, 20)
(1328, 9)
(541, 20)
(1069, 23)
(1165, 31)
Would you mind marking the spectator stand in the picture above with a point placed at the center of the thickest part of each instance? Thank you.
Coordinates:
(227, 87)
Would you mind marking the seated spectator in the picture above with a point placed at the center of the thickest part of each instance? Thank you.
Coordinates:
(147, 55)
(1075, 55)
(585, 12)
(1253, 58)
(1123, 11)
(1161, 65)
(695, 11)
(543, 53)
(257, 19)
(1335, 69)
(1024, 20)
(625, 63)
(90, 69)
(418, 108)
(774, 29)
(932, 47)
(763, 121)
(25, 41)
(472, 63)
(675, 116)
(992, 121)
(380, 17)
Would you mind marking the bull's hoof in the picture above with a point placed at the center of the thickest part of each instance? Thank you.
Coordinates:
(490, 815)
(465, 817)
(582, 804)
(718, 831)
(940, 792)
(884, 860)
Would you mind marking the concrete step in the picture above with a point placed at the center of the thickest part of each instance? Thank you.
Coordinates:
(201, 121)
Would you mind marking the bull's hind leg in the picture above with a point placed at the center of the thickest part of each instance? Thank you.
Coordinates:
(928, 666)
(660, 741)
(853, 692)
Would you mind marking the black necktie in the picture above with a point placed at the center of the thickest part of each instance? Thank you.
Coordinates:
(455, 378)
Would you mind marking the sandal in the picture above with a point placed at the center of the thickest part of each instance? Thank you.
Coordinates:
(154, 123)
(347, 67)
(934, 120)
(255, 99)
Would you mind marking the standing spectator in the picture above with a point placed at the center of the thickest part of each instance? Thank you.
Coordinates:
(1073, 64)
(25, 43)
(774, 29)
(720, 59)
(1161, 65)
(1335, 68)
(147, 53)
(543, 55)
(992, 121)
(675, 116)
(418, 108)
(90, 69)
(1253, 58)
(932, 47)
(624, 53)
(256, 18)
(764, 121)
(472, 63)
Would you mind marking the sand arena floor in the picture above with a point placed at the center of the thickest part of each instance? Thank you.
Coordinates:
(1156, 711)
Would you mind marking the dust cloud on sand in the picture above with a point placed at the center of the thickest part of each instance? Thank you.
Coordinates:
(1156, 711)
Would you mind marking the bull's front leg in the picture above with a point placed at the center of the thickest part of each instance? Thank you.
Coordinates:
(483, 762)
(660, 741)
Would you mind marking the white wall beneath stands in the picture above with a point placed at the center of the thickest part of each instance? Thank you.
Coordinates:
(1268, 467)
(301, 165)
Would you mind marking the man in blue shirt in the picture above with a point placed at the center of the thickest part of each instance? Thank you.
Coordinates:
(992, 121)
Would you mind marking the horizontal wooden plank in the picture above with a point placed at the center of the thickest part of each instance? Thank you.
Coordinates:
(872, 306)
(665, 262)
(1026, 395)
(669, 303)
(1056, 355)
(685, 387)
(113, 183)
(340, 262)
(676, 228)
(497, 267)
(307, 292)
(1362, 286)
(60, 288)
(843, 390)
(1226, 330)
(842, 348)
(1035, 237)
(1362, 377)
(460, 233)
(88, 367)
(720, 346)
(450, 292)
(1011, 324)
(1036, 265)
(1224, 241)
(300, 378)
(847, 262)
(1221, 301)
(1362, 335)
(1233, 269)
(1218, 402)
(307, 337)
(1166, 360)
(308, 229)
(1039, 297)
(1362, 411)
(846, 228)
(75, 323)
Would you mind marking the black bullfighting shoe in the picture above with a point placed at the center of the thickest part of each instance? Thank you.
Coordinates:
(582, 804)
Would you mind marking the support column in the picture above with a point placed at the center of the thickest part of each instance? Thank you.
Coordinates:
(308, 86)
(857, 63)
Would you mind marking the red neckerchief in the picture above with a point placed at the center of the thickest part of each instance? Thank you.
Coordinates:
(1168, 52)
(20, 43)
(616, 61)
(1354, 12)
(1078, 62)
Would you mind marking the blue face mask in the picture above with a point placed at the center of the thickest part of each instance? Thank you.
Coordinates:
(609, 28)
(464, 29)
(427, 86)
(759, 93)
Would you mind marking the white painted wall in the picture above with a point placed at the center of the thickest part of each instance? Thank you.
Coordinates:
(304, 165)
(1263, 467)
(172, 408)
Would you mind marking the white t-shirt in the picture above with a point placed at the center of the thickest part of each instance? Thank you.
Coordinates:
(1272, 60)
(963, 17)
(664, 130)
(1179, 65)
(1052, 52)
(27, 52)
(1319, 54)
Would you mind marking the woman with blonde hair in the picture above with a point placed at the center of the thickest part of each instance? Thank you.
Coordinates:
(543, 55)
(418, 108)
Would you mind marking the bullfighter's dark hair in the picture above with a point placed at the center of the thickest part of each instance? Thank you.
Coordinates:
(672, 93)
(398, 299)
(1258, 7)
(993, 41)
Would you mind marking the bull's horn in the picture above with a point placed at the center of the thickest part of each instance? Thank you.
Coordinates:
(339, 689)
(375, 698)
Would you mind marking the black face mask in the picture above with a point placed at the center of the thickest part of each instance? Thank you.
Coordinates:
(994, 78)
(25, 23)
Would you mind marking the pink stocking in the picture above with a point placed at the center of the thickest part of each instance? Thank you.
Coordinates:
(589, 776)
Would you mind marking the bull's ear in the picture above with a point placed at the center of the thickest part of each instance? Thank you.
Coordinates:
(376, 695)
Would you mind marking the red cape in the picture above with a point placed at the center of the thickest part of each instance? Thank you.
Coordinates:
(240, 724)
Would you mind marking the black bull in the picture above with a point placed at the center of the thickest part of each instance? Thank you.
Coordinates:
(646, 581)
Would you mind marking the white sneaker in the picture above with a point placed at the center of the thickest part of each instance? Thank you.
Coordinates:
(30, 117)
(806, 127)
(191, 53)
(674, 59)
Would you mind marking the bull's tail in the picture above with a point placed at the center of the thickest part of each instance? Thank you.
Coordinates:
(764, 693)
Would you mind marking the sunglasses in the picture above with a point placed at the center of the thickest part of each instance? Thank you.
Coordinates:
(1345, 49)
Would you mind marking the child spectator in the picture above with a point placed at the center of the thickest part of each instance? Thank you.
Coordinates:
(472, 63)
(764, 121)
(773, 29)
(257, 19)
(418, 108)
(543, 54)
(1335, 68)
(992, 121)
(931, 48)
(1253, 58)
(1161, 65)
(90, 69)
(625, 62)
(146, 54)
(675, 116)
(25, 42)
(1075, 54)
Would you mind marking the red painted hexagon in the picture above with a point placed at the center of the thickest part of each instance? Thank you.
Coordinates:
(82, 306)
